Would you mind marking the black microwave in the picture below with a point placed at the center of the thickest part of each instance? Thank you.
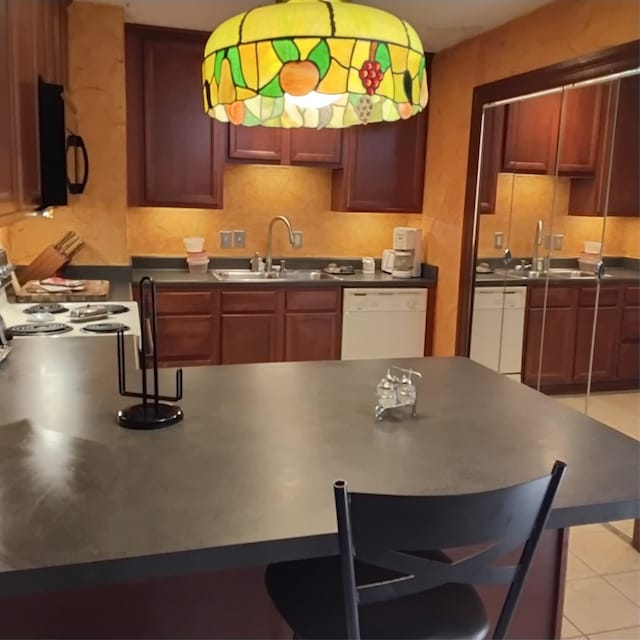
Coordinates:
(64, 161)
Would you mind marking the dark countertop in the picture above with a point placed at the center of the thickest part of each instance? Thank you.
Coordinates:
(246, 478)
(182, 277)
(614, 276)
(617, 271)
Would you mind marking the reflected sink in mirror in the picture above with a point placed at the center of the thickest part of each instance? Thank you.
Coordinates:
(246, 275)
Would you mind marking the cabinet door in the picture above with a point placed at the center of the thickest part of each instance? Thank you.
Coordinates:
(187, 340)
(255, 144)
(624, 187)
(311, 336)
(315, 146)
(249, 337)
(175, 151)
(491, 158)
(383, 167)
(558, 349)
(531, 136)
(22, 21)
(579, 130)
(605, 353)
(8, 167)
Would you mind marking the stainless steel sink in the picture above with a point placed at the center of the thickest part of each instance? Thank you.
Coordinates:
(246, 275)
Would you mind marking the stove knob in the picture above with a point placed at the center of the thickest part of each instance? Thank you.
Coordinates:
(411, 304)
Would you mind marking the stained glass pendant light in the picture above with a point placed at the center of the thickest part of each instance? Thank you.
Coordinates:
(314, 63)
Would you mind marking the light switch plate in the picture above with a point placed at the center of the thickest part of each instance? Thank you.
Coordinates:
(498, 239)
(238, 238)
(556, 241)
(226, 239)
(297, 239)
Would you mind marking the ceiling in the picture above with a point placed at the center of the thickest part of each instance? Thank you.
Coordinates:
(440, 23)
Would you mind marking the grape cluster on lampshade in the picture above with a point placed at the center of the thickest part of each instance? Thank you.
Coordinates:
(314, 63)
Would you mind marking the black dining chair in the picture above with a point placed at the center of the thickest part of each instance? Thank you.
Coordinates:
(380, 586)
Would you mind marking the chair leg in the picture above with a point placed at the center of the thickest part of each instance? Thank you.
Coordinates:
(635, 540)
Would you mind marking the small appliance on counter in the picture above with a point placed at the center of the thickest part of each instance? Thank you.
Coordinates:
(405, 259)
(5, 337)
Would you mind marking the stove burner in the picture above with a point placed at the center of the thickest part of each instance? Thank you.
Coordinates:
(46, 307)
(106, 327)
(49, 328)
(115, 308)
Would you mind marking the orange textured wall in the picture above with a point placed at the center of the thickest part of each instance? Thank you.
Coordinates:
(253, 194)
(558, 31)
(521, 200)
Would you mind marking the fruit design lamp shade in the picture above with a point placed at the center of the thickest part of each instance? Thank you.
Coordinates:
(314, 63)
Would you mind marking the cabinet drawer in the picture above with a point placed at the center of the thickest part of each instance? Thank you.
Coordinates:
(316, 300)
(249, 301)
(630, 330)
(557, 297)
(608, 297)
(632, 296)
(183, 301)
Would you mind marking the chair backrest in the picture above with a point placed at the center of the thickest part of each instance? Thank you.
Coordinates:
(390, 532)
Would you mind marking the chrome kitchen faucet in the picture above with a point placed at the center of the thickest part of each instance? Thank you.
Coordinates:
(286, 222)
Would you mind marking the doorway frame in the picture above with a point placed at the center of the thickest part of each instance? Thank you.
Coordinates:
(605, 62)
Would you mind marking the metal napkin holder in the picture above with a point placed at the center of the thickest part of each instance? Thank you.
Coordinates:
(388, 391)
(151, 413)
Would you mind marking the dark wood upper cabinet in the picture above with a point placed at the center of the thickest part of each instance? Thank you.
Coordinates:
(531, 136)
(579, 130)
(624, 186)
(270, 145)
(556, 129)
(8, 179)
(175, 151)
(618, 156)
(24, 59)
(33, 42)
(491, 157)
(255, 144)
(383, 167)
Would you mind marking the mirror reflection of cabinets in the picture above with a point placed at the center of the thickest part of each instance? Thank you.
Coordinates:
(577, 132)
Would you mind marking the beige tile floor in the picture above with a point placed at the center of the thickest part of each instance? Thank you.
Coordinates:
(602, 593)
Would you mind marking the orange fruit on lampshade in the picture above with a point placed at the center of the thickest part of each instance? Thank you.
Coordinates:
(298, 78)
(235, 112)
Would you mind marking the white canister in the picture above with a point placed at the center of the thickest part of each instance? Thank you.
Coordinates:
(368, 265)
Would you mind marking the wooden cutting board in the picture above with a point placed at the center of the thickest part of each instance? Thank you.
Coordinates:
(95, 291)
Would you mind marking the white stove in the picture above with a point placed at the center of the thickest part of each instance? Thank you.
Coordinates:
(70, 319)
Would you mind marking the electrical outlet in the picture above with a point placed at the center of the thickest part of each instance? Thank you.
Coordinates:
(226, 239)
(297, 239)
(238, 238)
(556, 241)
(498, 239)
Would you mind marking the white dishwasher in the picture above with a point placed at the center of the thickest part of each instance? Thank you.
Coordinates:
(497, 328)
(383, 323)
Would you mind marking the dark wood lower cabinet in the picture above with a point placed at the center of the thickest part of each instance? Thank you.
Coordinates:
(568, 333)
(311, 336)
(249, 337)
(554, 336)
(187, 340)
(605, 344)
